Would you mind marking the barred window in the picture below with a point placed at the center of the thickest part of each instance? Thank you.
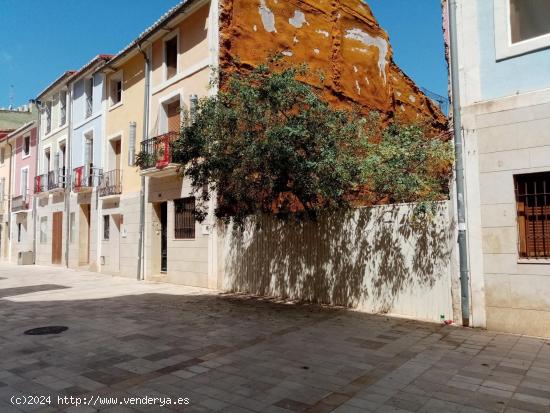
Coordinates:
(533, 213)
(184, 216)
(106, 227)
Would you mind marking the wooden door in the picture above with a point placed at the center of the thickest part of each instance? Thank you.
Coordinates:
(164, 237)
(57, 237)
(173, 115)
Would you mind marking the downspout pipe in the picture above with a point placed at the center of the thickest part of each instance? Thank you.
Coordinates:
(36, 172)
(459, 167)
(68, 182)
(140, 271)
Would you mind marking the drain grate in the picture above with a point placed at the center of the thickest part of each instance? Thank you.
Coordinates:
(41, 331)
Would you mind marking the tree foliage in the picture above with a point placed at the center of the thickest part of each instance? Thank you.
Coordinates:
(267, 143)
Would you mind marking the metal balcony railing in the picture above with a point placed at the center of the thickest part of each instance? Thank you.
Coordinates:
(50, 181)
(86, 177)
(158, 152)
(111, 183)
(20, 203)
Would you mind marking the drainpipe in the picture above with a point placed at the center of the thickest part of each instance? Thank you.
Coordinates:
(460, 183)
(140, 271)
(34, 199)
(68, 149)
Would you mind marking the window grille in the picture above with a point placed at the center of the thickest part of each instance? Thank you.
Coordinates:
(184, 227)
(533, 214)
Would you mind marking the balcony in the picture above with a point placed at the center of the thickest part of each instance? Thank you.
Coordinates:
(51, 181)
(158, 156)
(110, 184)
(85, 178)
(20, 203)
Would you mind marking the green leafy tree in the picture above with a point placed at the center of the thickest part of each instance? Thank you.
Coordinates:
(268, 143)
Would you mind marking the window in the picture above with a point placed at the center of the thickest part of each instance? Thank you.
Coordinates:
(47, 157)
(533, 214)
(529, 19)
(26, 145)
(2, 155)
(106, 227)
(184, 216)
(43, 230)
(48, 117)
(24, 181)
(521, 26)
(72, 227)
(19, 232)
(171, 56)
(89, 94)
(115, 91)
(62, 107)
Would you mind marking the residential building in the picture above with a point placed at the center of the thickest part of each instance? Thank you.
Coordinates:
(51, 179)
(88, 104)
(119, 193)
(504, 54)
(24, 143)
(10, 120)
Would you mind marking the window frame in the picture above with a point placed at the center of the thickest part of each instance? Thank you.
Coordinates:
(113, 79)
(524, 233)
(175, 33)
(62, 108)
(504, 48)
(192, 234)
(106, 227)
(26, 154)
(43, 234)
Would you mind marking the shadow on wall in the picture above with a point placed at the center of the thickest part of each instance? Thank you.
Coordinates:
(381, 259)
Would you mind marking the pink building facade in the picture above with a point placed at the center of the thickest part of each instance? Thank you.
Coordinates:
(24, 143)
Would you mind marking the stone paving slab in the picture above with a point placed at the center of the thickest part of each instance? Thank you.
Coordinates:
(235, 353)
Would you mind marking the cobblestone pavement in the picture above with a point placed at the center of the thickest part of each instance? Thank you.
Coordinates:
(239, 354)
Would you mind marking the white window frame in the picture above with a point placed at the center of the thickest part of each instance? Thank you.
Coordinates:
(44, 149)
(23, 155)
(117, 76)
(86, 80)
(26, 168)
(60, 106)
(503, 35)
(170, 36)
(166, 100)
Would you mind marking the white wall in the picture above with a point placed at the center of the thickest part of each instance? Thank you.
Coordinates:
(378, 260)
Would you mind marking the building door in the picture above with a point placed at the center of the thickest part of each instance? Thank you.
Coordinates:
(163, 237)
(57, 237)
(84, 235)
(173, 116)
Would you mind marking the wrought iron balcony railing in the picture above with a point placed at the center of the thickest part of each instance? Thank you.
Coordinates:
(86, 177)
(50, 181)
(158, 152)
(111, 183)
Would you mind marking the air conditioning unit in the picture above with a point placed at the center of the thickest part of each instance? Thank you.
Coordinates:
(25, 258)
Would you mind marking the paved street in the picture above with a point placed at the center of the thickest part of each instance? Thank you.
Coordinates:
(239, 354)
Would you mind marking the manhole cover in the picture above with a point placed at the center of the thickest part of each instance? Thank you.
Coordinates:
(41, 331)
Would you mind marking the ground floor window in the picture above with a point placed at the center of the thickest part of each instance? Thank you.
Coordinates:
(43, 230)
(19, 232)
(106, 227)
(184, 215)
(72, 227)
(533, 214)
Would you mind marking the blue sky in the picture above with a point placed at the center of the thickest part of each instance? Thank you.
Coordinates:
(42, 39)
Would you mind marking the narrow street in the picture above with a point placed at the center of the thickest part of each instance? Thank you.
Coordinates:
(241, 354)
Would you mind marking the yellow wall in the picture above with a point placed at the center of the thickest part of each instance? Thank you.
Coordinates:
(131, 110)
(194, 52)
